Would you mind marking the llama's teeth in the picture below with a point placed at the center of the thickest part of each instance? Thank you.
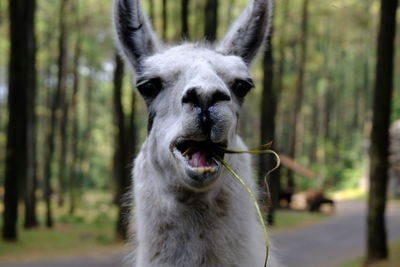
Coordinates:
(199, 169)
(204, 169)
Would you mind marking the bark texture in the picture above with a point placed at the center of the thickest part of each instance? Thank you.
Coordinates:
(184, 19)
(211, 20)
(377, 240)
(124, 143)
(268, 114)
(20, 132)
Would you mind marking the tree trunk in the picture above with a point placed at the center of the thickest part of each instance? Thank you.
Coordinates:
(31, 180)
(119, 124)
(299, 90)
(86, 147)
(73, 175)
(211, 20)
(20, 132)
(184, 19)
(376, 241)
(281, 49)
(164, 19)
(56, 104)
(47, 161)
(63, 106)
(268, 115)
(122, 155)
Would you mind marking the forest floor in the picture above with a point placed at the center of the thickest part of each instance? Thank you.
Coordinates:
(393, 261)
(336, 240)
(326, 242)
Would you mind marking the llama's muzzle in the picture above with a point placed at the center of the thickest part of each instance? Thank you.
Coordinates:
(197, 158)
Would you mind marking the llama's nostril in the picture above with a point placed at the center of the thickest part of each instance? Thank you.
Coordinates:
(191, 97)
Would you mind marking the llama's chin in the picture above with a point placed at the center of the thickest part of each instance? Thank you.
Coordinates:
(199, 161)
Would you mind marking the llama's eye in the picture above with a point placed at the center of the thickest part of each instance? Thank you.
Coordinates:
(242, 87)
(149, 89)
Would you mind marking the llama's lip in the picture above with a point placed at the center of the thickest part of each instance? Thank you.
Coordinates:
(199, 157)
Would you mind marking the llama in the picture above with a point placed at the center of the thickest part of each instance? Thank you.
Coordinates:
(189, 211)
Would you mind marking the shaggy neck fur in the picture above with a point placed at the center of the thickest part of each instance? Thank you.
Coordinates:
(178, 227)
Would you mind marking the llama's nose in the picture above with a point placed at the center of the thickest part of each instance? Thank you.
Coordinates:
(202, 101)
(204, 98)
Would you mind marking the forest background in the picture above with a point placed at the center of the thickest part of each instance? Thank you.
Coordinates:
(313, 99)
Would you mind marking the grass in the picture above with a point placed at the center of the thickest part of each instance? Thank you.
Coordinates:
(394, 259)
(90, 229)
(350, 194)
(291, 219)
(64, 239)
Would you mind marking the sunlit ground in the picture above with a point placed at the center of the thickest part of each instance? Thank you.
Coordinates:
(90, 229)
(394, 259)
(291, 219)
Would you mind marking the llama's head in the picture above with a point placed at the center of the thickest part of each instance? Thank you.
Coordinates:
(193, 92)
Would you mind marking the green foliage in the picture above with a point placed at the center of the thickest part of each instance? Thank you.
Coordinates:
(339, 79)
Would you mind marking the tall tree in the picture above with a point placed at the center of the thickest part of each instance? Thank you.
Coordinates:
(184, 19)
(298, 100)
(73, 175)
(267, 130)
(122, 153)
(30, 219)
(55, 109)
(211, 20)
(281, 46)
(164, 12)
(64, 97)
(22, 84)
(84, 155)
(377, 241)
(31, 179)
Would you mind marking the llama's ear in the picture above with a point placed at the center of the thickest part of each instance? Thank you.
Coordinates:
(249, 31)
(134, 35)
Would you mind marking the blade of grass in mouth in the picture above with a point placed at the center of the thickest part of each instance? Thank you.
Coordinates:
(263, 149)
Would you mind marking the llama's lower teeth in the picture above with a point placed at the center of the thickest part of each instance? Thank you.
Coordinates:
(204, 169)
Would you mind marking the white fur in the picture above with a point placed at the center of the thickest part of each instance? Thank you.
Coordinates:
(178, 224)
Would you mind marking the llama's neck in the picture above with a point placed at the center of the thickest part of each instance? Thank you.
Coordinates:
(177, 227)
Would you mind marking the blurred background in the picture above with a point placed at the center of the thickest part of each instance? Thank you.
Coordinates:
(71, 123)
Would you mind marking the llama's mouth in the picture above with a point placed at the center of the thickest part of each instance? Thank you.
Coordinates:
(200, 156)
(199, 159)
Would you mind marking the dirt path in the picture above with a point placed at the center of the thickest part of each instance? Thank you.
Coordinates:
(320, 245)
(334, 241)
